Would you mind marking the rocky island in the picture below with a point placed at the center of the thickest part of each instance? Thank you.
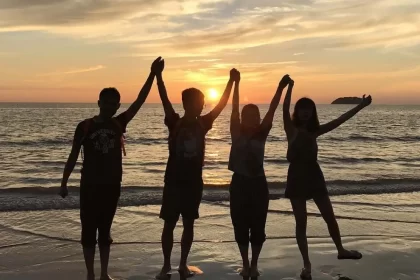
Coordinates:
(347, 100)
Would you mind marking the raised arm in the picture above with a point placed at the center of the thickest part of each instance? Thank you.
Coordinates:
(287, 121)
(167, 106)
(144, 92)
(366, 101)
(71, 161)
(224, 99)
(269, 117)
(235, 120)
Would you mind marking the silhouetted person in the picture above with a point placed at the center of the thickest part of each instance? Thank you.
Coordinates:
(305, 179)
(183, 188)
(249, 190)
(100, 185)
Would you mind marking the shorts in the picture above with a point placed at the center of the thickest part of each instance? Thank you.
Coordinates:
(249, 200)
(98, 204)
(181, 199)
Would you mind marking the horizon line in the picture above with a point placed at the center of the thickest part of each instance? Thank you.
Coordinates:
(154, 103)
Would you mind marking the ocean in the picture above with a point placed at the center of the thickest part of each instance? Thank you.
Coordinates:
(371, 166)
(373, 153)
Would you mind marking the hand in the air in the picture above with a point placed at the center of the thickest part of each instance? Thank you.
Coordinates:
(235, 75)
(366, 101)
(284, 81)
(158, 65)
(291, 83)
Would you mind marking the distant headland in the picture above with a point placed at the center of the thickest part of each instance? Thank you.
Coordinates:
(347, 100)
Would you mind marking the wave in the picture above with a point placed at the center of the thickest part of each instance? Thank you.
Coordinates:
(408, 138)
(40, 198)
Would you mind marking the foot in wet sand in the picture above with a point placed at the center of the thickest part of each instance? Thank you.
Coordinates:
(306, 273)
(106, 277)
(185, 272)
(245, 271)
(254, 272)
(349, 255)
(164, 272)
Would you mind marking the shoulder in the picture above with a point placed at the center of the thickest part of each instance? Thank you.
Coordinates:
(171, 120)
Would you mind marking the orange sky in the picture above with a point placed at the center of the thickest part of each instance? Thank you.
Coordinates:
(330, 48)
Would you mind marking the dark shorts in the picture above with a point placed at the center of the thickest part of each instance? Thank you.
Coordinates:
(249, 202)
(305, 181)
(181, 199)
(98, 204)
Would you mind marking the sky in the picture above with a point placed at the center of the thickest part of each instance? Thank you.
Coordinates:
(68, 50)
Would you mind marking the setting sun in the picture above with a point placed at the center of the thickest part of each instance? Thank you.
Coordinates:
(213, 95)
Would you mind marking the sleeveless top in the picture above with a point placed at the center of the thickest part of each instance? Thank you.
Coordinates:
(247, 154)
(304, 148)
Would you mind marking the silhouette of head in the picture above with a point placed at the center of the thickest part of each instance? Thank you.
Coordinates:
(109, 102)
(250, 116)
(193, 101)
(305, 115)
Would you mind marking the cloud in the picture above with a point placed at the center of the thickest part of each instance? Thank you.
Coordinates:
(74, 71)
(194, 28)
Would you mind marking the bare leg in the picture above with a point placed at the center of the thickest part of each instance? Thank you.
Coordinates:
(89, 255)
(167, 245)
(186, 243)
(256, 250)
(299, 210)
(104, 252)
(327, 212)
(243, 249)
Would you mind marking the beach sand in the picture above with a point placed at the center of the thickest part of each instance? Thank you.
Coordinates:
(43, 244)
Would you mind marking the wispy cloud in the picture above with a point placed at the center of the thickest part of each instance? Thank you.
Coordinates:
(74, 71)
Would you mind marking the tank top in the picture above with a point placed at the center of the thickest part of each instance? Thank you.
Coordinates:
(247, 154)
(304, 148)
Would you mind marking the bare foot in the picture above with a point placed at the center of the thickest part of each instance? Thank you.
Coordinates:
(185, 272)
(245, 271)
(106, 277)
(164, 272)
(349, 255)
(306, 274)
(254, 272)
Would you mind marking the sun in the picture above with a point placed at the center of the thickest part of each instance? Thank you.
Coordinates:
(213, 94)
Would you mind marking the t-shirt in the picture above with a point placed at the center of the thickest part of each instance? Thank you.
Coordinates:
(102, 155)
(186, 149)
(247, 152)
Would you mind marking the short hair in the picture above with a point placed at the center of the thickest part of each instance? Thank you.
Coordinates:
(191, 94)
(110, 92)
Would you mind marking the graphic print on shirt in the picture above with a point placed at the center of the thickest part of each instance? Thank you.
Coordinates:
(103, 140)
(188, 143)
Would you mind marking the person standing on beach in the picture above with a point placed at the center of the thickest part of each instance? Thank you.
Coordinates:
(100, 184)
(183, 187)
(249, 190)
(305, 179)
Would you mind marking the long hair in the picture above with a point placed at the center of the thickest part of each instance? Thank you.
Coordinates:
(312, 125)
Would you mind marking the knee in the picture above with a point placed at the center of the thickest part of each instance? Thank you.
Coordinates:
(105, 240)
(104, 236)
(258, 237)
(188, 225)
(88, 239)
(168, 228)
